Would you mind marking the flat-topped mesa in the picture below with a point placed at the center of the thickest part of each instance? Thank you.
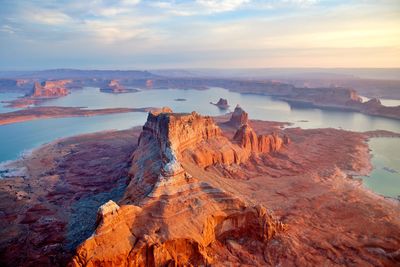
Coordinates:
(179, 131)
(50, 89)
(239, 117)
(169, 140)
(164, 137)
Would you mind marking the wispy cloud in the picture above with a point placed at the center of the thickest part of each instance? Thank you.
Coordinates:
(201, 33)
(49, 17)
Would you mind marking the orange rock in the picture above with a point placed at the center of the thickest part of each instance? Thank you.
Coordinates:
(168, 216)
(50, 89)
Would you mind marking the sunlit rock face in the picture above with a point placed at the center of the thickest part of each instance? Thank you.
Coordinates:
(169, 215)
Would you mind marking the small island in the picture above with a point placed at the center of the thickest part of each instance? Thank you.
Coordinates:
(222, 103)
(114, 87)
(41, 92)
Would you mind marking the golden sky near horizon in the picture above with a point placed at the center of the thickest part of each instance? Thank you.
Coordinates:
(199, 33)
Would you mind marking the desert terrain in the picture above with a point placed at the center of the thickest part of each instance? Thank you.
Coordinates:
(194, 190)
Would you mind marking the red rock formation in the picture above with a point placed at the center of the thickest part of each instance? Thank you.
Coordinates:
(248, 139)
(239, 117)
(50, 89)
(168, 216)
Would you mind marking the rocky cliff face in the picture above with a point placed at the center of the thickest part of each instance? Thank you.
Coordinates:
(50, 89)
(248, 139)
(169, 215)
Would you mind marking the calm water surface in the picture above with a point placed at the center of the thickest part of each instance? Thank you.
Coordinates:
(385, 177)
(258, 107)
(20, 137)
(7, 97)
(385, 102)
(16, 138)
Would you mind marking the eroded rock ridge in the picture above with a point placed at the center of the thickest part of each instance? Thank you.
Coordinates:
(169, 214)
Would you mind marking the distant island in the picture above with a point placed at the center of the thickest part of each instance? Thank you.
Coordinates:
(222, 103)
(114, 86)
(333, 97)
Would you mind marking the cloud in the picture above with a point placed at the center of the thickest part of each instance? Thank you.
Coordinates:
(201, 32)
(216, 6)
(207, 7)
(50, 17)
(199, 7)
(7, 29)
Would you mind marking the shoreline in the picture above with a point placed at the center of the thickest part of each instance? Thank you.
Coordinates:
(271, 124)
(72, 171)
(36, 113)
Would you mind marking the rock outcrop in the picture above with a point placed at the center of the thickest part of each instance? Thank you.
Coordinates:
(222, 103)
(114, 86)
(50, 89)
(239, 117)
(246, 137)
(169, 215)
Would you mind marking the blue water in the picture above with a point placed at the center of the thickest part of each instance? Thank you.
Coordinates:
(19, 137)
(385, 177)
(258, 107)
(7, 97)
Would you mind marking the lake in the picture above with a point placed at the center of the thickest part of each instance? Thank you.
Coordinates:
(20, 137)
(385, 177)
(258, 107)
(7, 97)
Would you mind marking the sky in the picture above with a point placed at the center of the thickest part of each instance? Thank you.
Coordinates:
(143, 34)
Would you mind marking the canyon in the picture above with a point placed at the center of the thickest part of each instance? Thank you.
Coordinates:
(187, 189)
